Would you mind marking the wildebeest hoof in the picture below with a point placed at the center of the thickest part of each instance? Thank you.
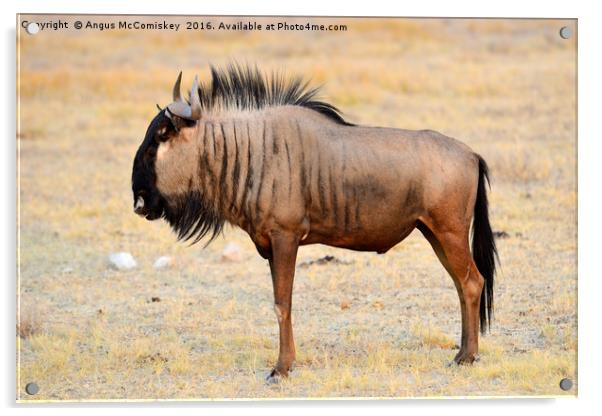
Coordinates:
(463, 358)
(274, 377)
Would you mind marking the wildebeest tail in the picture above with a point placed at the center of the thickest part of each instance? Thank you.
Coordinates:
(484, 251)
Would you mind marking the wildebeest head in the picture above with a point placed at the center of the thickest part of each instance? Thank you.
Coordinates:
(167, 127)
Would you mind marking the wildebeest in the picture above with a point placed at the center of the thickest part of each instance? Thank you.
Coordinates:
(263, 154)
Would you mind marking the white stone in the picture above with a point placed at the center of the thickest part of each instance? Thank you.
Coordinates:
(163, 262)
(122, 261)
(232, 252)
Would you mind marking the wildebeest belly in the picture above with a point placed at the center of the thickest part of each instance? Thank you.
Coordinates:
(368, 216)
(379, 241)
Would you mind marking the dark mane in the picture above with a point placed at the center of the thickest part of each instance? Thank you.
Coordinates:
(247, 88)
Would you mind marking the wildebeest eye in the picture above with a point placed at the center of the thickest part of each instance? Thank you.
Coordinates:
(162, 134)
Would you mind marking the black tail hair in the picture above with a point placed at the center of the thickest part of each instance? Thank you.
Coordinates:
(484, 251)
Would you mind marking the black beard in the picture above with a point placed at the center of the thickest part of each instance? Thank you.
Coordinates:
(192, 217)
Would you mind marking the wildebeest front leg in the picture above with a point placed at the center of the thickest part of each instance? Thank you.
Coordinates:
(282, 266)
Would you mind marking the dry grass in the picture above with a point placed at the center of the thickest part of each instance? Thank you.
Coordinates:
(383, 326)
(28, 324)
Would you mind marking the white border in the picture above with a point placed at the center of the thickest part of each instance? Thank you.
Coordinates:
(590, 177)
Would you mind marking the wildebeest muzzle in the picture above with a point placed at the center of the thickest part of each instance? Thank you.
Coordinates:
(148, 207)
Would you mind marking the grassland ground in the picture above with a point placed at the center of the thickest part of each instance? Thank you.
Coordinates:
(374, 325)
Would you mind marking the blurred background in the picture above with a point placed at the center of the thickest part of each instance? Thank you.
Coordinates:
(201, 325)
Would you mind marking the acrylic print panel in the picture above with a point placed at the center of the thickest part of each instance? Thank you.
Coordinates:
(112, 306)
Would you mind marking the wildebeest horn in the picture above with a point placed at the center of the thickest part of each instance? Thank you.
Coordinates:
(181, 108)
(177, 96)
(195, 100)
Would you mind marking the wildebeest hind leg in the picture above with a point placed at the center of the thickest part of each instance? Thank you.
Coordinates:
(282, 266)
(452, 246)
(438, 249)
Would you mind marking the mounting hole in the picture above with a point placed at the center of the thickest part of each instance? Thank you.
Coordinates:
(32, 388)
(566, 32)
(32, 28)
(566, 384)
